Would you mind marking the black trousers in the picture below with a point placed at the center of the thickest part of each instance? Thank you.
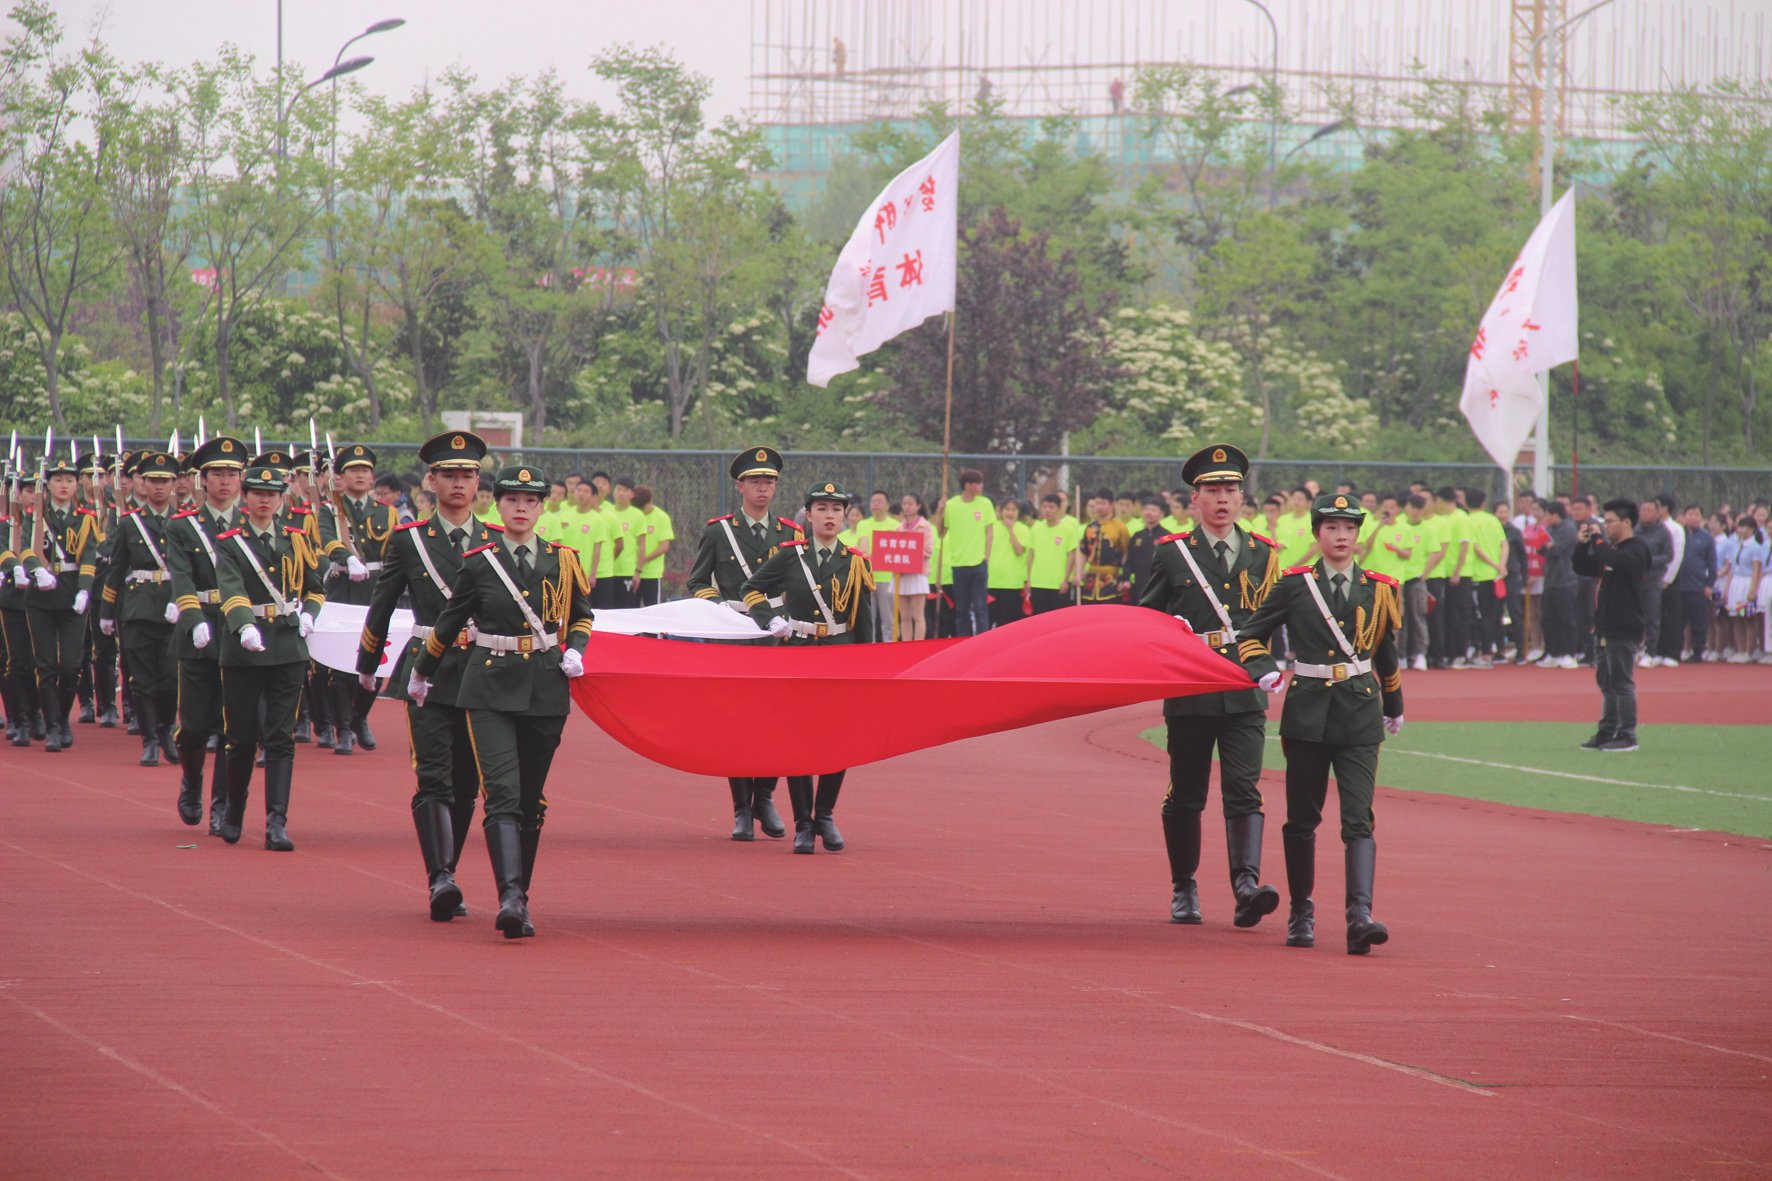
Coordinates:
(19, 661)
(603, 594)
(1583, 638)
(442, 754)
(1516, 618)
(1240, 739)
(1308, 765)
(1005, 605)
(1438, 613)
(1649, 595)
(1461, 619)
(1560, 621)
(277, 687)
(1049, 600)
(1615, 671)
(1697, 611)
(199, 700)
(1673, 622)
(1489, 619)
(57, 640)
(649, 592)
(513, 753)
(148, 661)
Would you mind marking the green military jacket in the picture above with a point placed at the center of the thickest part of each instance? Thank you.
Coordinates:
(138, 582)
(1173, 590)
(70, 539)
(372, 526)
(406, 572)
(557, 591)
(193, 553)
(844, 580)
(12, 596)
(1346, 712)
(292, 567)
(720, 571)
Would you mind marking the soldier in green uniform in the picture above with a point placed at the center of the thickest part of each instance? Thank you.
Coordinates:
(1346, 694)
(313, 720)
(816, 591)
(732, 549)
(355, 532)
(98, 678)
(1101, 552)
(192, 554)
(55, 604)
(1214, 577)
(21, 667)
(529, 600)
(423, 563)
(138, 594)
(270, 588)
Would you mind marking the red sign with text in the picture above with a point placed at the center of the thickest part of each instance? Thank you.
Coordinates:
(898, 552)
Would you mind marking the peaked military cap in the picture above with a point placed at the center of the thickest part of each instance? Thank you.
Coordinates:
(453, 449)
(1219, 463)
(1336, 506)
(354, 455)
(155, 464)
(222, 451)
(758, 461)
(130, 459)
(828, 490)
(262, 477)
(59, 467)
(276, 457)
(96, 463)
(518, 477)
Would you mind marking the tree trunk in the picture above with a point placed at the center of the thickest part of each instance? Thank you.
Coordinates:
(156, 361)
(427, 400)
(223, 338)
(538, 406)
(52, 380)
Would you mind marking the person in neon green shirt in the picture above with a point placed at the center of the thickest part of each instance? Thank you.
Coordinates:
(879, 520)
(1007, 575)
(851, 518)
(1388, 543)
(655, 537)
(1488, 564)
(484, 508)
(967, 522)
(1292, 530)
(628, 524)
(549, 520)
(1053, 539)
(584, 528)
(1180, 517)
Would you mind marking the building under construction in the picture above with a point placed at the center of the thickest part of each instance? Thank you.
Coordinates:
(821, 69)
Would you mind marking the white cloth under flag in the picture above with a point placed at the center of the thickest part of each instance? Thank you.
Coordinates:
(1530, 327)
(897, 269)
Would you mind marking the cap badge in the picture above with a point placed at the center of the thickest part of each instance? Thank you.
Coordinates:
(762, 454)
(227, 445)
(523, 475)
(458, 444)
(1218, 455)
(265, 475)
(830, 487)
(1341, 502)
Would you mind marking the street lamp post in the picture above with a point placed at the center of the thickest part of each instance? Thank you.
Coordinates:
(1273, 124)
(337, 71)
(1319, 133)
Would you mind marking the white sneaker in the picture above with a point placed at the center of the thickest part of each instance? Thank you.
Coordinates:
(1482, 662)
(1738, 658)
(1728, 655)
(1534, 656)
(1645, 661)
(1711, 656)
(1461, 662)
(1669, 662)
(1567, 662)
(1547, 662)
(1419, 664)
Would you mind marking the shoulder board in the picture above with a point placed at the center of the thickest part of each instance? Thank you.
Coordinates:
(1270, 542)
(295, 529)
(571, 549)
(228, 534)
(1375, 576)
(796, 541)
(790, 524)
(190, 512)
(1298, 570)
(86, 512)
(1173, 537)
(409, 525)
(717, 520)
(478, 549)
(131, 512)
(494, 527)
(300, 509)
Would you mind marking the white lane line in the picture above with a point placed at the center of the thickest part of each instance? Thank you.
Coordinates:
(1684, 1041)
(172, 1085)
(1702, 791)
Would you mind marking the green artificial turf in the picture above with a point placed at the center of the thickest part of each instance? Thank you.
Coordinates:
(1711, 777)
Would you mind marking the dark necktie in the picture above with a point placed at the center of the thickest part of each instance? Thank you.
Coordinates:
(1340, 581)
(523, 561)
(757, 532)
(1223, 549)
(824, 555)
(455, 538)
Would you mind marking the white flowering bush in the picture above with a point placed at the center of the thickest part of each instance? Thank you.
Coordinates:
(1172, 383)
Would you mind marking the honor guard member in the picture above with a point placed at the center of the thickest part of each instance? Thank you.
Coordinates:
(1346, 694)
(270, 588)
(18, 671)
(1101, 553)
(530, 601)
(732, 549)
(98, 673)
(55, 604)
(193, 555)
(816, 591)
(1214, 577)
(423, 563)
(313, 721)
(355, 531)
(138, 595)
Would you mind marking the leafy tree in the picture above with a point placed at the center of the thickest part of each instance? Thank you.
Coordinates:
(1169, 383)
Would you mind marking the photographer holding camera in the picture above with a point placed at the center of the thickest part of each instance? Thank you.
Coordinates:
(1619, 559)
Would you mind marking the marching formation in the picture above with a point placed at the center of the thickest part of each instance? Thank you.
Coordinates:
(206, 572)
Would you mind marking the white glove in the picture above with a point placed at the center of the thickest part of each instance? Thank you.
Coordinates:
(80, 601)
(368, 683)
(572, 664)
(418, 688)
(1394, 725)
(1270, 682)
(172, 613)
(356, 569)
(780, 628)
(200, 635)
(250, 638)
(108, 626)
(1186, 624)
(304, 623)
(44, 577)
(21, 576)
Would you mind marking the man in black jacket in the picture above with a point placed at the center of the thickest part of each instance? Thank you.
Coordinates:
(1620, 561)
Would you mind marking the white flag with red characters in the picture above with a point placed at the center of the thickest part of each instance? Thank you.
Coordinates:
(897, 269)
(1530, 327)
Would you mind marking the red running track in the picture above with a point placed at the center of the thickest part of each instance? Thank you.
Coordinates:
(985, 984)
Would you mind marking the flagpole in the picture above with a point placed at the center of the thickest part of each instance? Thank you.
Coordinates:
(1575, 432)
(947, 422)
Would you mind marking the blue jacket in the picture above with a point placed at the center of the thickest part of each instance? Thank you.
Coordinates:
(1699, 569)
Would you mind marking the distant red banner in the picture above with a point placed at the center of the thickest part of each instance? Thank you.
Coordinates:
(898, 552)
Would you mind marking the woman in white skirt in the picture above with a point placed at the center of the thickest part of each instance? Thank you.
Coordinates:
(913, 589)
(1742, 601)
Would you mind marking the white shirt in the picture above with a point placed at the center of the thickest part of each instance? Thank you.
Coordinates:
(1678, 532)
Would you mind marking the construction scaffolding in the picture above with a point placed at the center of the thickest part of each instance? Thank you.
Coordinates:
(823, 68)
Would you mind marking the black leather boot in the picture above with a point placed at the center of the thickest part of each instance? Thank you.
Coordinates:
(1363, 931)
(436, 842)
(239, 784)
(191, 755)
(742, 828)
(800, 796)
(461, 821)
(83, 690)
(1242, 838)
(344, 740)
(361, 700)
(530, 841)
(278, 773)
(147, 717)
(218, 794)
(763, 808)
(106, 677)
(1181, 836)
(504, 848)
(131, 726)
(50, 694)
(824, 804)
(304, 726)
(10, 704)
(166, 714)
(1301, 881)
(69, 690)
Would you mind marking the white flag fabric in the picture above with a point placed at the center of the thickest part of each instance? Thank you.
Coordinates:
(897, 269)
(339, 627)
(1530, 327)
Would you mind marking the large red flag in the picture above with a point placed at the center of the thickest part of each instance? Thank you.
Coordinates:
(715, 709)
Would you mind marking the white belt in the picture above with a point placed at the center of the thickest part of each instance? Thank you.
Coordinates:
(373, 566)
(209, 596)
(421, 632)
(494, 643)
(817, 630)
(1219, 639)
(736, 605)
(271, 611)
(64, 567)
(1332, 672)
(146, 576)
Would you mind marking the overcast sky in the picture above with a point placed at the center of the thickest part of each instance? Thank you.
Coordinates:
(493, 38)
